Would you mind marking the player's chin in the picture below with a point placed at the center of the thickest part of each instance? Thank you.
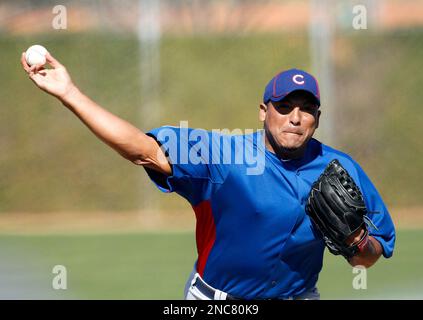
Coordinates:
(290, 148)
(292, 144)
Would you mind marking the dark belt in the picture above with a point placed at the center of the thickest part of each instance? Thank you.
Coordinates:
(208, 291)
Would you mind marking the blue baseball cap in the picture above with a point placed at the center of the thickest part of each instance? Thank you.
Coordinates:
(288, 81)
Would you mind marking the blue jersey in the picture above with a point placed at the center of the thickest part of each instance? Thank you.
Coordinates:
(254, 238)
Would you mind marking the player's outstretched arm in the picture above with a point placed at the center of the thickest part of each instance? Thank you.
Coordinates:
(119, 134)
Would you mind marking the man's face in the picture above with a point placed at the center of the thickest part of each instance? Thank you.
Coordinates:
(291, 122)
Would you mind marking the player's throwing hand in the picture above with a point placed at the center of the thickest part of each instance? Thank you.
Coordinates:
(55, 81)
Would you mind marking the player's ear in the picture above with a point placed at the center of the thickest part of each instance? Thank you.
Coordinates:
(318, 118)
(262, 112)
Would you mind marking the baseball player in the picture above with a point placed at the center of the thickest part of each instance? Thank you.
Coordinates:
(267, 203)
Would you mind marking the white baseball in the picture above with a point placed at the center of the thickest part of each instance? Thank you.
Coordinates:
(36, 54)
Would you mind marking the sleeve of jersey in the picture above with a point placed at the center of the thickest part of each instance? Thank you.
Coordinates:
(189, 154)
(378, 214)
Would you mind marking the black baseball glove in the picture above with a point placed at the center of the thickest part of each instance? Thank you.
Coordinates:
(336, 207)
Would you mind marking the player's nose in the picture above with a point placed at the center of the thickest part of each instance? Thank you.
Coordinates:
(295, 116)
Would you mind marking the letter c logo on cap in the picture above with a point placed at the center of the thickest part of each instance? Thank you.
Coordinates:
(294, 78)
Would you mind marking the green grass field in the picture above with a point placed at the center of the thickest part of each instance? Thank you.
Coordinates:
(156, 265)
(51, 163)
